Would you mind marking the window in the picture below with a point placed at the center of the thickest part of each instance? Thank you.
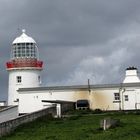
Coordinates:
(19, 79)
(24, 50)
(39, 79)
(126, 97)
(116, 96)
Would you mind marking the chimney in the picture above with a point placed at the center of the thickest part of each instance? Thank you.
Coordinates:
(131, 75)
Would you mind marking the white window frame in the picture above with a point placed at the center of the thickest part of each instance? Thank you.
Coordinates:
(19, 79)
(25, 50)
(126, 98)
(117, 96)
(39, 79)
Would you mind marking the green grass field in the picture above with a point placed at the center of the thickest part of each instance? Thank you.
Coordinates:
(78, 128)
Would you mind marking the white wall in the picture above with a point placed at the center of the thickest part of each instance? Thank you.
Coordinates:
(104, 99)
(29, 79)
(8, 113)
(30, 101)
(133, 99)
(2, 103)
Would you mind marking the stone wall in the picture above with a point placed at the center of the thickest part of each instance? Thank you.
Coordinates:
(8, 113)
(8, 126)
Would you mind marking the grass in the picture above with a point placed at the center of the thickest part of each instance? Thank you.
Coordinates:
(80, 127)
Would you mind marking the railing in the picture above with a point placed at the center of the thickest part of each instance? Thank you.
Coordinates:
(24, 63)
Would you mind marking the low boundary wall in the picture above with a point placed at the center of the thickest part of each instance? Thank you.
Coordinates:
(8, 113)
(8, 126)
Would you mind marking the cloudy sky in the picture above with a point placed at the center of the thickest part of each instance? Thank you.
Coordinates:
(77, 39)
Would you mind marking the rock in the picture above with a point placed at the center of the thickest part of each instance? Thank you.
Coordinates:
(107, 123)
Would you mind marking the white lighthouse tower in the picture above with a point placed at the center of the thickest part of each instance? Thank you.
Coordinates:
(24, 66)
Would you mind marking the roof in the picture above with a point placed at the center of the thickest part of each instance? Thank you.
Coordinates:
(80, 87)
(57, 101)
(24, 38)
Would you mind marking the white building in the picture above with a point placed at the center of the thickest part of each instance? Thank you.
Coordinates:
(25, 90)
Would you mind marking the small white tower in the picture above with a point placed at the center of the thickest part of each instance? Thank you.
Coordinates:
(131, 75)
(24, 66)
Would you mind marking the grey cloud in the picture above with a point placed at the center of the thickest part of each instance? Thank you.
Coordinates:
(77, 39)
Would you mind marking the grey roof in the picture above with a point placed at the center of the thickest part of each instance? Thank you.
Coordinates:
(80, 87)
(57, 101)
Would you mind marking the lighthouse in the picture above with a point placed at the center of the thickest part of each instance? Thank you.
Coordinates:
(24, 66)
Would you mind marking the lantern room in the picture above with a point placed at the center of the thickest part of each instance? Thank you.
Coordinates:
(24, 47)
(24, 53)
